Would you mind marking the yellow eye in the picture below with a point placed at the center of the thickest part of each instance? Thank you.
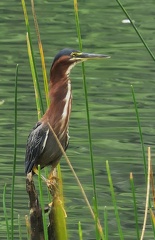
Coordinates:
(73, 54)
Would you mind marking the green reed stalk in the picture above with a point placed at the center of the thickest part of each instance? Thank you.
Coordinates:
(106, 223)
(80, 231)
(19, 227)
(140, 131)
(32, 56)
(134, 204)
(41, 54)
(87, 105)
(136, 30)
(15, 154)
(96, 218)
(35, 81)
(42, 204)
(114, 202)
(5, 214)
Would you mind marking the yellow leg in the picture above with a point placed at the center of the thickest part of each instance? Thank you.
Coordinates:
(35, 170)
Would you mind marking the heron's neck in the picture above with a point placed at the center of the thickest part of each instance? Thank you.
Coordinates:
(58, 113)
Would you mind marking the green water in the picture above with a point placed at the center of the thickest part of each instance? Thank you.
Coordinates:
(113, 121)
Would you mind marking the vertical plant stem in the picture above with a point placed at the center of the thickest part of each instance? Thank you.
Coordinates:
(5, 213)
(96, 218)
(32, 56)
(134, 204)
(114, 202)
(37, 96)
(15, 153)
(19, 227)
(80, 231)
(87, 105)
(140, 130)
(41, 54)
(106, 223)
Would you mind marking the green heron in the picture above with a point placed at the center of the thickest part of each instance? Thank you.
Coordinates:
(42, 148)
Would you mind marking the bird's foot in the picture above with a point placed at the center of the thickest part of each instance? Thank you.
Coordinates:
(53, 178)
(52, 186)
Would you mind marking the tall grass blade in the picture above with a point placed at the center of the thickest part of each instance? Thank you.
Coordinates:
(41, 54)
(5, 214)
(87, 105)
(96, 218)
(140, 131)
(136, 30)
(19, 227)
(15, 154)
(37, 97)
(114, 202)
(80, 231)
(106, 223)
(135, 205)
(42, 204)
(32, 56)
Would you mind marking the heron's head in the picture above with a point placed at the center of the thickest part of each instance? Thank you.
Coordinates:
(67, 58)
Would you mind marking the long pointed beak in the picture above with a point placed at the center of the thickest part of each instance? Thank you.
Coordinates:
(87, 56)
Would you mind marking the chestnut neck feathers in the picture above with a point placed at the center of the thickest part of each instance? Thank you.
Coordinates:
(58, 113)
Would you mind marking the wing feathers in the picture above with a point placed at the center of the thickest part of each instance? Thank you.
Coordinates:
(35, 145)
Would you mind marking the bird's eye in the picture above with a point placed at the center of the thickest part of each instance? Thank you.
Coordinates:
(73, 54)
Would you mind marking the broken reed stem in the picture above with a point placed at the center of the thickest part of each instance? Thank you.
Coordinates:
(78, 181)
(36, 221)
(147, 193)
